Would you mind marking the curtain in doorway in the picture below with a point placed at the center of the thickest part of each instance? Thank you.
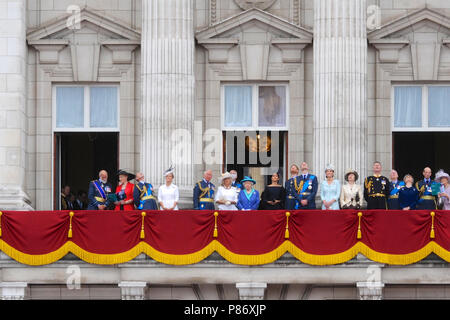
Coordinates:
(438, 106)
(408, 107)
(238, 106)
(69, 107)
(103, 113)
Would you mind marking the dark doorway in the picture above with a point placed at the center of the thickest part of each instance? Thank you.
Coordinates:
(80, 156)
(414, 151)
(255, 153)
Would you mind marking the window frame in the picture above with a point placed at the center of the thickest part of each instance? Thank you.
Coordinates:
(255, 106)
(425, 91)
(86, 108)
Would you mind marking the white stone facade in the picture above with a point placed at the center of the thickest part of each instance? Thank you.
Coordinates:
(200, 46)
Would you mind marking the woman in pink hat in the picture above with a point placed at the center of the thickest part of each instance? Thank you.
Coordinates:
(444, 196)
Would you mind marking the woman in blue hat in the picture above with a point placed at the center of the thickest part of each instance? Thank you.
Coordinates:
(248, 198)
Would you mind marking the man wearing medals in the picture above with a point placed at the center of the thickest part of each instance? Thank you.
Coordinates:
(376, 189)
(394, 187)
(291, 194)
(306, 189)
(143, 194)
(427, 201)
(204, 193)
(98, 192)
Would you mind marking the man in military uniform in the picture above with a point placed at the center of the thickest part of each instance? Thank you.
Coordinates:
(394, 188)
(204, 193)
(427, 201)
(291, 194)
(98, 192)
(376, 189)
(143, 194)
(307, 188)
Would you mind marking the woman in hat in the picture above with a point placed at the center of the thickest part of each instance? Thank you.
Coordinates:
(443, 178)
(351, 194)
(248, 198)
(124, 192)
(168, 195)
(226, 195)
(273, 195)
(330, 190)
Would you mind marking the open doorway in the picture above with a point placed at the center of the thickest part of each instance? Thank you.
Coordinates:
(80, 156)
(255, 153)
(414, 151)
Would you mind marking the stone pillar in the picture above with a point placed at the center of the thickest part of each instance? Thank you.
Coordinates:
(13, 290)
(133, 290)
(13, 121)
(370, 290)
(251, 290)
(340, 80)
(168, 91)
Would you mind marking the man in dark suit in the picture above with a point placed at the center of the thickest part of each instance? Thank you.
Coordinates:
(291, 194)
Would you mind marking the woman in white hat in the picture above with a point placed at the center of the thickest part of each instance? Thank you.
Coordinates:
(226, 196)
(168, 194)
(351, 193)
(330, 190)
(443, 178)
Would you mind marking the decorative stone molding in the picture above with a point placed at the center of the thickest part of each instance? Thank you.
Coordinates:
(212, 12)
(254, 51)
(218, 49)
(251, 290)
(291, 49)
(87, 15)
(389, 49)
(13, 290)
(122, 50)
(260, 4)
(391, 38)
(133, 290)
(49, 49)
(370, 290)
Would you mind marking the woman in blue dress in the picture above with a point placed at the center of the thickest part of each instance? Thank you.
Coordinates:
(248, 198)
(330, 190)
(408, 195)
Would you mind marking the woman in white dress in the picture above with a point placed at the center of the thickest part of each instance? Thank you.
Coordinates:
(226, 196)
(168, 195)
(351, 193)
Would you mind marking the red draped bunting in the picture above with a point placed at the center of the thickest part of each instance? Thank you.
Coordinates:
(241, 237)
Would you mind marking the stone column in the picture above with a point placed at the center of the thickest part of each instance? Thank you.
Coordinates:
(13, 121)
(340, 80)
(13, 290)
(251, 290)
(168, 91)
(370, 290)
(133, 290)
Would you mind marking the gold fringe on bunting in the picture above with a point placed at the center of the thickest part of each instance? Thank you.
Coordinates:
(142, 227)
(259, 259)
(432, 226)
(286, 233)
(71, 214)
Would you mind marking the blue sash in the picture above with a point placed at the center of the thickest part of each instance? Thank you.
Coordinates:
(306, 185)
(148, 192)
(397, 189)
(100, 189)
